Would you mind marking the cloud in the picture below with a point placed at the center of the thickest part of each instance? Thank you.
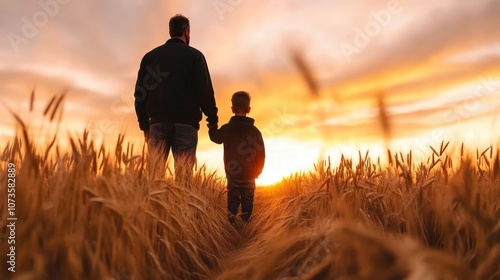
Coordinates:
(427, 41)
(93, 48)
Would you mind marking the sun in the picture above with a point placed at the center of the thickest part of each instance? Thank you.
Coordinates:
(285, 157)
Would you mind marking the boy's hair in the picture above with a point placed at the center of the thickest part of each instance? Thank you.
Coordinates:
(241, 101)
(177, 25)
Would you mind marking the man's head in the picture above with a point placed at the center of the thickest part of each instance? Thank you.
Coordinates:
(240, 103)
(179, 28)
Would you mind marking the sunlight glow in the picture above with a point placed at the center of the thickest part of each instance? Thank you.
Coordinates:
(283, 158)
(445, 88)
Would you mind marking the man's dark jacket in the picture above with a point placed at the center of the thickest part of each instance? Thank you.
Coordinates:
(174, 86)
(244, 151)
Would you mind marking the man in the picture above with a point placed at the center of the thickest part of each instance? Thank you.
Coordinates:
(173, 88)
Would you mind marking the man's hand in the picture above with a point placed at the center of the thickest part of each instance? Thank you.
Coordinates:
(146, 135)
(212, 125)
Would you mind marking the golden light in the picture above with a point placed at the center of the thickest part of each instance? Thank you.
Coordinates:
(444, 88)
(286, 156)
(283, 158)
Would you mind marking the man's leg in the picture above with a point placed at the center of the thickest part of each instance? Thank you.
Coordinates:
(159, 143)
(184, 145)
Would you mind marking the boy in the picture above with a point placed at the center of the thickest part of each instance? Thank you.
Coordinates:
(244, 156)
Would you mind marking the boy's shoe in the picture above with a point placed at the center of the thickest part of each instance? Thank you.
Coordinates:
(245, 217)
(232, 220)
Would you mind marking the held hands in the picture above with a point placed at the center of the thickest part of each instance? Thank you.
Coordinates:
(212, 125)
(212, 122)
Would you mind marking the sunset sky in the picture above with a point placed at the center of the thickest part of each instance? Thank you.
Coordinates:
(436, 64)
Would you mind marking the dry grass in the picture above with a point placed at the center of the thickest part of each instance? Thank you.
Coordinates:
(403, 221)
(89, 213)
(97, 213)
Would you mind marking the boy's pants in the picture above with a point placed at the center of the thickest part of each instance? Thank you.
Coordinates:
(241, 193)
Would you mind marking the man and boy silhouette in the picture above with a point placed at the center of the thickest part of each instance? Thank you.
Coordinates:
(172, 91)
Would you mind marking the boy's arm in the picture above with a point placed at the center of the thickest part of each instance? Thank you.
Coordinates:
(216, 135)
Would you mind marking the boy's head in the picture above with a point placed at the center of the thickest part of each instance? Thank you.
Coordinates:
(240, 103)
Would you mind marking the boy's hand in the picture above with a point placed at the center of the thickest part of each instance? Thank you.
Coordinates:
(212, 125)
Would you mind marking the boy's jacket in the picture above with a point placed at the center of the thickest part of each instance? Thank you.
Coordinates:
(244, 151)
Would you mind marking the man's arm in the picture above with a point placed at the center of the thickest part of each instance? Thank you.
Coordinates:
(141, 98)
(205, 91)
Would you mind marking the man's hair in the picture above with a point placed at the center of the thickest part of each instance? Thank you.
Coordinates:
(177, 25)
(241, 101)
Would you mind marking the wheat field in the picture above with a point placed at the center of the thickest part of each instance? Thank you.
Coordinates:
(92, 212)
